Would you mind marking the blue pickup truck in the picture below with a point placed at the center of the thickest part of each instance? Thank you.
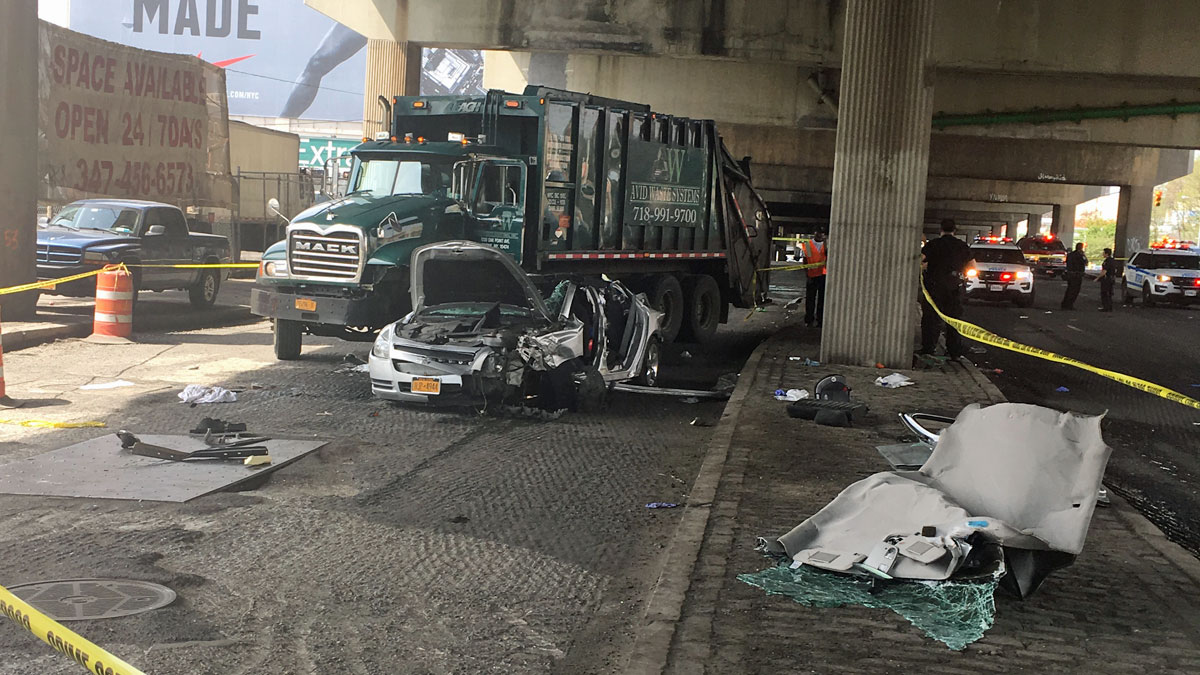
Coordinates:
(93, 232)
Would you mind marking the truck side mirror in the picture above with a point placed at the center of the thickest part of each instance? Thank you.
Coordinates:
(155, 230)
(273, 205)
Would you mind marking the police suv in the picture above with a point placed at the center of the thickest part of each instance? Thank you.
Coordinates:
(1000, 273)
(1163, 273)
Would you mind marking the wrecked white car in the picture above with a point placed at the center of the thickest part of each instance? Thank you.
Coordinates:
(481, 333)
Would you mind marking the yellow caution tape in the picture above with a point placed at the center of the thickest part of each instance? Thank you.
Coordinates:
(973, 332)
(793, 239)
(48, 424)
(50, 283)
(62, 639)
(791, 268)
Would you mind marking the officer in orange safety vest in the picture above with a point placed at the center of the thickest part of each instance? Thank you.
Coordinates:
(815, 250)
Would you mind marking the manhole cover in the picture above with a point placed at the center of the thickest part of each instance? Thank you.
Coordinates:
(79, 599)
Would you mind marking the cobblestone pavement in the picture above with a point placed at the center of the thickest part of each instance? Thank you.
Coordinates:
(416, 541)
(1130, 603)
(1155, 463)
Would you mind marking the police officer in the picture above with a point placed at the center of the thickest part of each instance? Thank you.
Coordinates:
(1076, 264)
(946, 260)
(1109, 271)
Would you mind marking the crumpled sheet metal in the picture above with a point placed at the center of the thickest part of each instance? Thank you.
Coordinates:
(953, 613)
(549, 351)
(1025, 476)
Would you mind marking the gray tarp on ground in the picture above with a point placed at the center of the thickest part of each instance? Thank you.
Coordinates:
(1031, 475)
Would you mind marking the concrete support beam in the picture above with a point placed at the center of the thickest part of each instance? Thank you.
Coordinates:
(1063, 225)
(1133, 219)
(879, 173)
(18, 134)
(393, 69)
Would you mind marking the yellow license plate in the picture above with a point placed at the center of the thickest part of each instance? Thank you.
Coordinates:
(304, 304)
(426, 385)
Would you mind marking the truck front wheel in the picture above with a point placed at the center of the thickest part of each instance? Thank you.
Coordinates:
(666, 295)
(288, 338)
(703, 298)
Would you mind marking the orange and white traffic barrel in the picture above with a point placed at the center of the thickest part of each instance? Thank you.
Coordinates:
(113, 321)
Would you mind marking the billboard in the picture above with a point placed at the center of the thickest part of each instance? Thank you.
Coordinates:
(281, 57)
(121, 122)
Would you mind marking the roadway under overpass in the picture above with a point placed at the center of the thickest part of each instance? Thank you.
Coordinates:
(882, 115)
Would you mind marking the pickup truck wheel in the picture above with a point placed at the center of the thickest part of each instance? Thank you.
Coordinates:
(204, 293)
(666, 295)
(288, 338)
(703, 299)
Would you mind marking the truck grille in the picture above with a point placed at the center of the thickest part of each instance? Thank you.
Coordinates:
(52, 254)
(334, 255)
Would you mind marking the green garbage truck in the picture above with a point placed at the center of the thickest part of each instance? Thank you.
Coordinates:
(570, 185)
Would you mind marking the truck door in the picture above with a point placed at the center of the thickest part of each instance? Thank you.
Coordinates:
(498, 207)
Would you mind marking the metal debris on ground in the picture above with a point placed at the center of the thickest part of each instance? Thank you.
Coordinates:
(894, 381)
(953, 613)
(525, 412)
(220, 426)
(807, 361)
(198, 393)
(667, 391)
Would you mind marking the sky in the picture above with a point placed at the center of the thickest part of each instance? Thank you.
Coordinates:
(55, 11)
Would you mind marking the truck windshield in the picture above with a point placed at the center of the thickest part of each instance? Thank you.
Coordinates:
(401, 177)
(97, 218)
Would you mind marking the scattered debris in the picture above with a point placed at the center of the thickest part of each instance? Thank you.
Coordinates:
(685, 354)
(1022, 317)
(459, 520)
(353, 360)
(360, 368)
(666, 391)
(998, 371)
(726, 383)
(978, 350)
(807, 361)
(699, 422)
(809, 410)
(107, 385)
(661, 505)
(832, 388)
(894, 381)
(790, 394)
(689, 399)
(526, 412)
(325, 414)
(921, 535)
(137, 447)
(220, 426)
(879, 364)
(198, 393)
(1062, 390)
(257, 460)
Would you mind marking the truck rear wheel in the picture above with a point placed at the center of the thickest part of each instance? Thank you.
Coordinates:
(288, 338)
(703, 298)
(666, 295)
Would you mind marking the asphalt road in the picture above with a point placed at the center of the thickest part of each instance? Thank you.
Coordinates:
(1156, 443)
(417, 541)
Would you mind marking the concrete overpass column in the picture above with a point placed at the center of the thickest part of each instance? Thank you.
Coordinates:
(18, 133)
(1035, 222)
(393, 69)
(879, 171)
(1133, 219)
(1063, 225)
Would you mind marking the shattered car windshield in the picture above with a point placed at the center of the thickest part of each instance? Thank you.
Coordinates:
(97, 218)
(476, 309)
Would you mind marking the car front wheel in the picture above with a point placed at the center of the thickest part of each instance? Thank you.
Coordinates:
(650, 363)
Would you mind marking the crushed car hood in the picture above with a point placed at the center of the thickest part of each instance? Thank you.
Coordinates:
(464, 271)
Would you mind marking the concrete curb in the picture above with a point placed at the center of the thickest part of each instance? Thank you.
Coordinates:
(993, 392)
(212, 318)
(664, 608)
